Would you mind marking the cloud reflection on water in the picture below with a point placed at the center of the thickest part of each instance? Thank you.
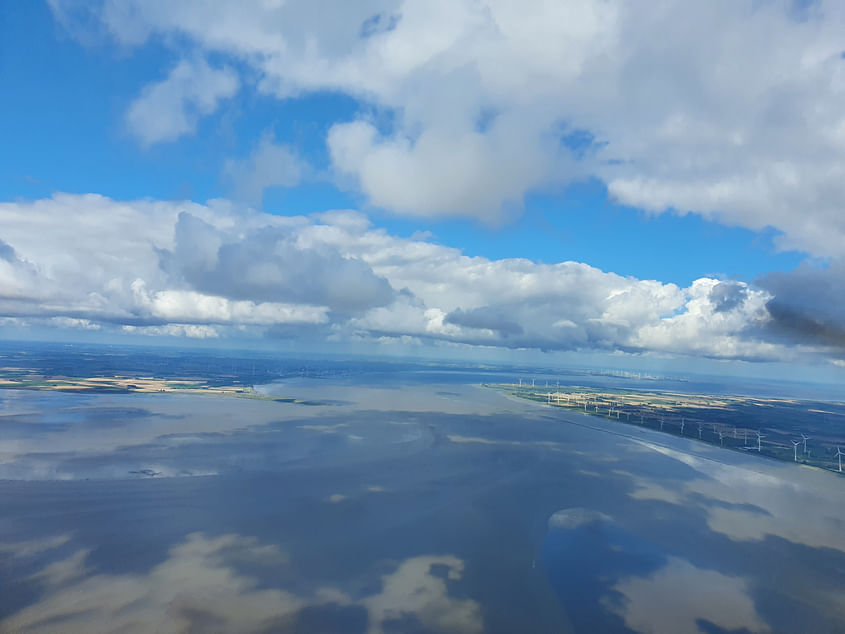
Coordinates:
(679, 596)
(745, 503)
(32, 547)
(594, 560)
(202, 586)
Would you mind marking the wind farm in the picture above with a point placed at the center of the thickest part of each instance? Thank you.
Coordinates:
(805, 432)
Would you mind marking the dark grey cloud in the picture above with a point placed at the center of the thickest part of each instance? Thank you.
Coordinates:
(486, 317)
(268, 265)
(531, 324)
(808, 304)
(800, 327)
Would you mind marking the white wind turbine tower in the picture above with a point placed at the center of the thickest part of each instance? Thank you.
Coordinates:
(682, 426)
(805, 438)
(795, 444)
(839, 455)
(721, 438)
(759, 439)
(700, 429)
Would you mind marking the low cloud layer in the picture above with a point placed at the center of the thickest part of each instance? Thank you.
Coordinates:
(168, 269)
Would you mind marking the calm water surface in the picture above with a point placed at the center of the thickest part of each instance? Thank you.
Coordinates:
(412, 505)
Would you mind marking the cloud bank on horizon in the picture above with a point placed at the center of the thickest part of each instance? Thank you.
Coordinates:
(162, 268)
(730, 110)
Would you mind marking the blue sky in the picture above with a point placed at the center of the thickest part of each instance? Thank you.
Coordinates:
(577, 140)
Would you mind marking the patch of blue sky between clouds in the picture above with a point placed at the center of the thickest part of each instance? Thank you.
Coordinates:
(581, 224)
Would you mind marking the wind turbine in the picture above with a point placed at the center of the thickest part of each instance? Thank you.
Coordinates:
(661, 424)
(839, 455)
(805, 438)
(682, 426)
(700, 428)
(759, 438)
(795, 444)
(721, 438)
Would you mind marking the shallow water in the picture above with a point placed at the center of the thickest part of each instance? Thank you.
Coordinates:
(410, 506)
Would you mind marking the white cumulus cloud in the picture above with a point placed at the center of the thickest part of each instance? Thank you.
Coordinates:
(185, 269)
(171, 108)
(727, 109)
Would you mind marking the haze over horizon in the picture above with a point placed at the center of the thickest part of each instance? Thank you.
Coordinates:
(627, 184)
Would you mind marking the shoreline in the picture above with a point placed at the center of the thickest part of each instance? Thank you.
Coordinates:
(674, 413)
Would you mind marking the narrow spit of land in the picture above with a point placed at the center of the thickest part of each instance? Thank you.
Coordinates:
(25, 379)
(806, 432)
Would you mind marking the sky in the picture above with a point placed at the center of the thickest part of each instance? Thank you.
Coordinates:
(635, 184)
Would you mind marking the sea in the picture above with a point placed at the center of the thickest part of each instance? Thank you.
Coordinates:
(400, 500)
